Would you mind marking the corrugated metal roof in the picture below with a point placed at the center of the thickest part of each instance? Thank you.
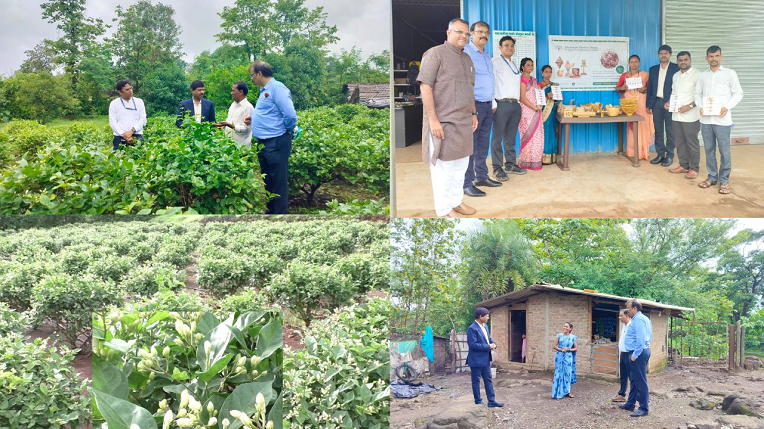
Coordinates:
(742, 50)
(522, 294)
(640, 21)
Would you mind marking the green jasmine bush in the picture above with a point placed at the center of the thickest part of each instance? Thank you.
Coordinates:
(27, 136)
(39, 387)
(147, 280)
(168, 300)
(341, 377)
(11, 321)
(17, 282)
(304, 288)
(151, 366)
(245, 301)
(67, 302)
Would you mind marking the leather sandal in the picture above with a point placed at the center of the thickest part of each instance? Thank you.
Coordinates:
(706, 184)
(724, 188)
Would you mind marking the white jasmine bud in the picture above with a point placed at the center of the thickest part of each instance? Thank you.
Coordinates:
(260, 401)
(166, 352)
(226, 423)
(167, 420)
(212, 422)
(185, 423)
(207, 347)
(184, 398)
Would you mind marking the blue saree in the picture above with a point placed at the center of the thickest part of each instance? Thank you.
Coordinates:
(564, 367)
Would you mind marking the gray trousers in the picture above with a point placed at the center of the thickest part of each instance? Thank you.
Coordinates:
(713, 136)
(505, 122)
(687, 144)
(662, 117)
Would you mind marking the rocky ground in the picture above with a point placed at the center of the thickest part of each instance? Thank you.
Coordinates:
(689, 398)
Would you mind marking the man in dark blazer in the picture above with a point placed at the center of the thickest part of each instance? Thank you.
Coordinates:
(658, 94)
(198, 107)
(479, 357)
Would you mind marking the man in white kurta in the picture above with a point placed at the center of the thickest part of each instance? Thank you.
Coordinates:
(723, 87)
(240, 109)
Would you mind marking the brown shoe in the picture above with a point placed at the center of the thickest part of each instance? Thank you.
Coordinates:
(619, 398)
(679, 170)
(465, 209)
(692, 174)
(452, 214)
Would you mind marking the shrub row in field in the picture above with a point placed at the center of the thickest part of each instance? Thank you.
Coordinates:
(72, 169)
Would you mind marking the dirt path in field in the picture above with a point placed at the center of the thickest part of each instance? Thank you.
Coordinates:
(528, 404)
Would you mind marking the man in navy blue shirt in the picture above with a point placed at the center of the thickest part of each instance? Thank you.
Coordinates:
(273, 123)
(639, 333)
(658, 94)
(479, 357)
(477, 170)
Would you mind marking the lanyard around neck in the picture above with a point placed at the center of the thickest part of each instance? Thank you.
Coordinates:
(123, 103)
(516, 72)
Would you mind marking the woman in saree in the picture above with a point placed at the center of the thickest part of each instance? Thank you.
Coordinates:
(550, 122)
(566, 346)
(531, 122)
(646, 127)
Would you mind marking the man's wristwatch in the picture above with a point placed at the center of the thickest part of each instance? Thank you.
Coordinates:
(474, 114)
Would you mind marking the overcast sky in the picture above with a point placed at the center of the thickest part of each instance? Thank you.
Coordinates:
(364, 24)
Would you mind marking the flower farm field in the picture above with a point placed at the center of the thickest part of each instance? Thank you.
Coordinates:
(339, 164)
(195, 306)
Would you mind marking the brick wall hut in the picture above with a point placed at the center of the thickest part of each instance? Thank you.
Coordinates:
(539, 311)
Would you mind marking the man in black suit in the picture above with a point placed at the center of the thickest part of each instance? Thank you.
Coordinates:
(658, 94)
(201, 109)
(479, 357)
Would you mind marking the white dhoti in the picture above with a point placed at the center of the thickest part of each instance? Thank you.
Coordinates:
(447, 182)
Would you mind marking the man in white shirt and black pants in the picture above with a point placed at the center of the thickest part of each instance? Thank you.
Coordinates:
(127, 116)
(723, 86)
(623, 357)
(506, 111)
(686, 120)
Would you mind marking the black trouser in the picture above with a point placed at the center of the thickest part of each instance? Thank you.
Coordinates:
(505, 122)
(625, 361)
(477, 168)
(274, 163)
(661, 119)
(120, 141)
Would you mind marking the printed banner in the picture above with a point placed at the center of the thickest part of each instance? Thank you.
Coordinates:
(588, 63)
(525, 45)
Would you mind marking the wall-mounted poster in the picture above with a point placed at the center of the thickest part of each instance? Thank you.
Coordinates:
(588, 63)
(525, 45)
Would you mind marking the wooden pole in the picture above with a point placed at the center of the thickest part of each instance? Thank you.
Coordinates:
(738, 338)
(731, 354)
(742, 346)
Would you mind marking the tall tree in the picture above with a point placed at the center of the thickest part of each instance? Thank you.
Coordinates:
(499, 259)
(742, 269)
(423, 261)
(78, 32)
(267, 26)
(248, 24)
(40, 59)
(146, 37)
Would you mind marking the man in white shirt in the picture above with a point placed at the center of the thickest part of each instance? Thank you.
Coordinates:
(506, 111)
(623, 360)
(720, 88)
(127, 116)
(686, 121)
(240, 109)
